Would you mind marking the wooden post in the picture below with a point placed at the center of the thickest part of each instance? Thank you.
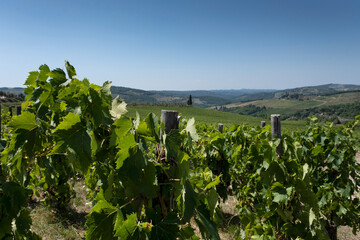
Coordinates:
(263, 123)
(10, 110)
(170, 119)
(220, 127)
(18, 110)
(276, 130)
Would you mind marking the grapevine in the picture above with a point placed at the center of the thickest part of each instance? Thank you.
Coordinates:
(147, 184)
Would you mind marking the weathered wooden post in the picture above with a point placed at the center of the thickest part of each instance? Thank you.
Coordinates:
(18, 110)
(220, 127)
(170, 120)
(276, 130)
(262, 124)
(10, 110)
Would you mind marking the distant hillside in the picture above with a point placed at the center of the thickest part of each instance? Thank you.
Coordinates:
(320, 90)
(254, 96)
(16, 91)
(201, 98)
(340, 106)
(209, 98)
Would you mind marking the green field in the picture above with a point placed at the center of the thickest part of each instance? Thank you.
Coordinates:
(286, 106)
(212, 117)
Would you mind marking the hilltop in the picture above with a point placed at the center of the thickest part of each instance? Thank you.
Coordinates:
(216, 98)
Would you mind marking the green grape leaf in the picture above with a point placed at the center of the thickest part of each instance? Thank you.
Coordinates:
(108, 189)
(187, 232)
(133, 167)
(280, 194)
(306, 195)
(94, 144)
(106, 92)
(24, 121)
(207, 227)
(125, 228)
(149, 129)
(30, 81)
(46, 93)
(213, 183)
(312, 217)
(168, 228)
(43, 75)
(317, 150)
(126, 143)
(23, 221)
(68, 122)
(305, 170)
(152, 122)
(95, 107)
(146, 184)
(272, 170)
(118, 221)
(72, 137)
(13, 199)
(121, 127)
(190, 128)
(212, 199)
(344, 192)
(280, 197)
(70, 70)
(63, 106)
(118, 108)
(57, 77)
(100, 221)
(342, 210)
(190, 201)
(172, 144)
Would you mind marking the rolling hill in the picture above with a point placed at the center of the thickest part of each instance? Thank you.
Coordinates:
(337, 107)
(201, 98)
(228, 98)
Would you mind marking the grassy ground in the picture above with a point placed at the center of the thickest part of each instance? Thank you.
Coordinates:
(54, 224)
(201, 115)
(70, 224)
(212, 117)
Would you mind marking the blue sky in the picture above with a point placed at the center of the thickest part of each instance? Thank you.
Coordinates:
(184, 44)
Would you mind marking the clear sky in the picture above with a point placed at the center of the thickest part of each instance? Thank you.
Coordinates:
(184, 44)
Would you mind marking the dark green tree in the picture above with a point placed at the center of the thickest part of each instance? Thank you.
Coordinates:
(189, 101)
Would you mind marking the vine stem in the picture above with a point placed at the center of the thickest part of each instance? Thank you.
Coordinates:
(127, 203)
(162, 203)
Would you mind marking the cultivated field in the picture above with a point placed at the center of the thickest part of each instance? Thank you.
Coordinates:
(288, 106)
(212, 117)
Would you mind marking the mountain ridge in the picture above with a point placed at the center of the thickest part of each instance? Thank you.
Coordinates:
(208, 98)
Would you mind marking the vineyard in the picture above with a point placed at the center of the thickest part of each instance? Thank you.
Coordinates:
(147, 179)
